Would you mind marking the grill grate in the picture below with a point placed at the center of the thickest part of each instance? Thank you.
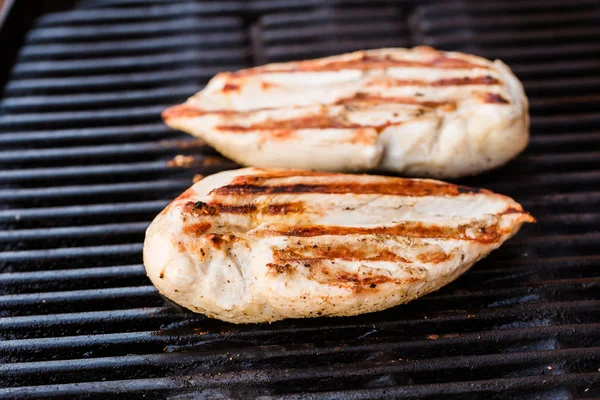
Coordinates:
(86, 164)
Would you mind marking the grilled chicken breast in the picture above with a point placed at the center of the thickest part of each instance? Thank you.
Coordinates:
(420, 112)
(257, 245)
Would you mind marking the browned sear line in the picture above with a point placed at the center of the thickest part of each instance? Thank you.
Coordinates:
(397, 187)
(278, 269)
(200, 208)
(196, 229)
(464, 81)
(230, 87)
(493, 98)
(485, 234)
(181, 111)
(236, 209)
(284, 208)
(188, 111)
(335, 277)
(308, 122)
(310, 254)
(368, 98)
(370, 280)
(357, 282)
(434, 257)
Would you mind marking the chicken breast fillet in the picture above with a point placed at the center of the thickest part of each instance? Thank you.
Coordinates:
(420, 112)
(254, 245)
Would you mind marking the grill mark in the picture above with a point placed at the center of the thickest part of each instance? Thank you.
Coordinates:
(364, 62)
(230, 87)
(341, 253)
(484, 233)
(493, 98)
(309, 122)
(395, 187)
(355, 281)
(180, 111)
(354, 278)
(241, 209)
(444, 82)
(340, 278)
(188, 111)
(368, 98)
(284, 208)
(196, 229)
(280, 269)
(201, 208)
(434, 257)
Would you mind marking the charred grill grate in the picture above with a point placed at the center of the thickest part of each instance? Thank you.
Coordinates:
(86, 164)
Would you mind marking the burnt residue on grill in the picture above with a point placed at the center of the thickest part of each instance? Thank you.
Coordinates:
(88, 164)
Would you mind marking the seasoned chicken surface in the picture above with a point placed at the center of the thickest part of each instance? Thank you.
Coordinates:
(260, 245)
(418, 111)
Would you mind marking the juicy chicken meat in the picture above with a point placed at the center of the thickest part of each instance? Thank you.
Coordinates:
(420, 112)
(258, 245)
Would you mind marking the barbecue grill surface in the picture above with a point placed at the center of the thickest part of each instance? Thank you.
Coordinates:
(86, 164)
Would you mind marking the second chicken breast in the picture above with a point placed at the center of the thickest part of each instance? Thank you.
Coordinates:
(419, 112)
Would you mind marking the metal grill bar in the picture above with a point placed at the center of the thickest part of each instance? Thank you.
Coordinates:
(114, 81)
(134, 97)
(144, 29)
(127, 15)
(315, 375)
(474, 7)
(137, 342)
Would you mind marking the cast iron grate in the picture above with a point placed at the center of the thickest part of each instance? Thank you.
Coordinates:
(86, 164)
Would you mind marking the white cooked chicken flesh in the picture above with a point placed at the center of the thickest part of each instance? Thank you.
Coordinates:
(419, 111)
(260, 245)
